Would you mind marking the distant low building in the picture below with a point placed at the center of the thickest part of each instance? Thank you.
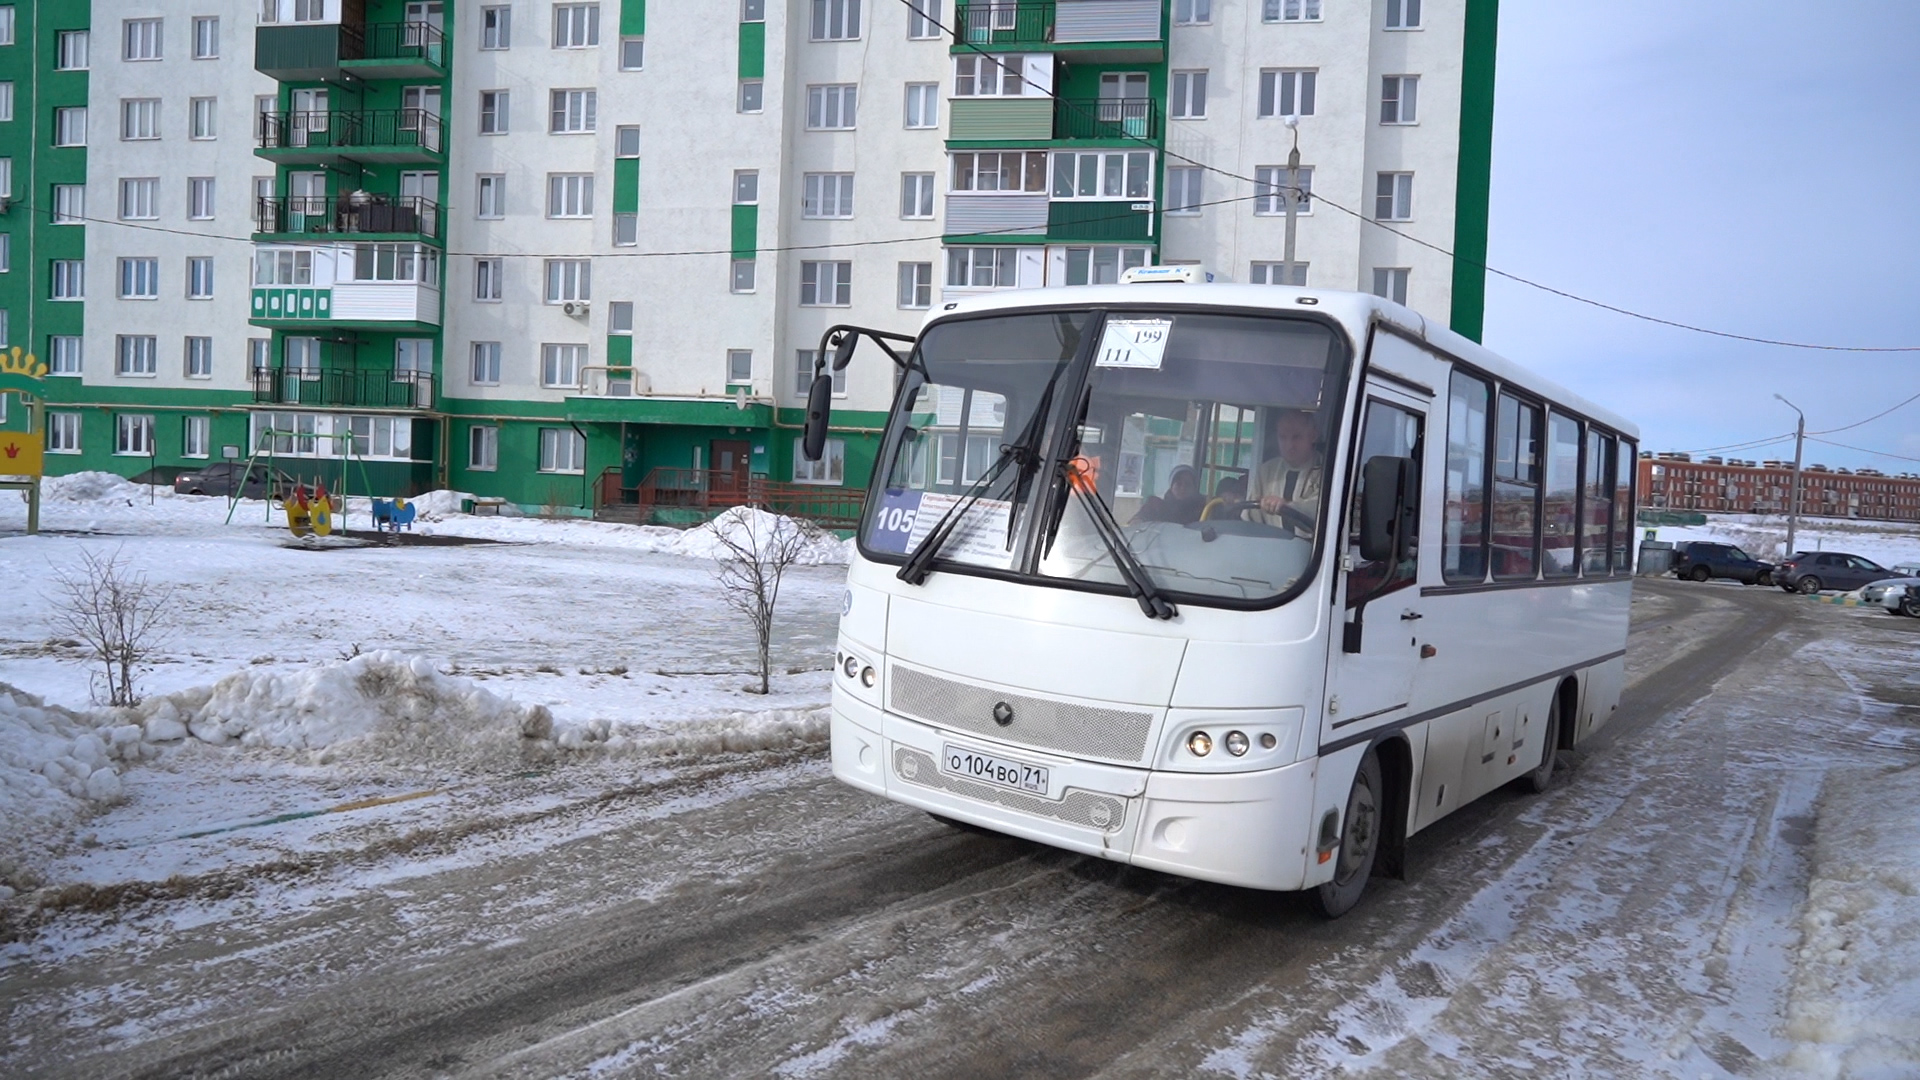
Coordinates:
(1674, 481)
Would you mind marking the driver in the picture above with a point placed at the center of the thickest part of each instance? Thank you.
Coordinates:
(1293, 478)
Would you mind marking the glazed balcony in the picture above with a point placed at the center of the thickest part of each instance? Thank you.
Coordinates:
(324, 137)
(359, 214)
(325, 52)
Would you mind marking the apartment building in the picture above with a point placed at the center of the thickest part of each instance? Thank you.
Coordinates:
(1733, 486)
(565, 252)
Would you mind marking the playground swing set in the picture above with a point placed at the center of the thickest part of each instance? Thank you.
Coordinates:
(318, 513)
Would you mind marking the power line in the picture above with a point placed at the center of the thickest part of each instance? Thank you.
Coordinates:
(1868, 420)
(1750, 445)
(1863, 450)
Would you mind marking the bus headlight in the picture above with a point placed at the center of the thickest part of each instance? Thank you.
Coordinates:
(852, 666)
(868, 677)
(1199, 744)
(1236, 743)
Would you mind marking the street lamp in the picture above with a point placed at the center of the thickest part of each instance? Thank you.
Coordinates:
(1793, 497)
(1292, 203)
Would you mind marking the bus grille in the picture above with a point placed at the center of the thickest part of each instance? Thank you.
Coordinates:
(1087, 809)
(1080, 730)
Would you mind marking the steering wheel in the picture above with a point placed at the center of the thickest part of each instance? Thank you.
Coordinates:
(1292, 518)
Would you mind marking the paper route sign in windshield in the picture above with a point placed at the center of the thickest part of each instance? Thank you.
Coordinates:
(905, 517)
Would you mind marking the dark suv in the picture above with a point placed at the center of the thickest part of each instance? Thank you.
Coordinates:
(1811, 571)
(1703, 561)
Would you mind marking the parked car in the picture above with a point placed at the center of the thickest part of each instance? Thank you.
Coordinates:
(1908, 601)
(233, 477)
(1702, 560)
(1888, 592)
(1907, 569)
(1814, 571)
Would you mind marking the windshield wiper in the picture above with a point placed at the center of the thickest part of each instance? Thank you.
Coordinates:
(1140, 584)
(920, 561)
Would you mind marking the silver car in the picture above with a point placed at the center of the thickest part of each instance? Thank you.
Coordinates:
(1888, 593)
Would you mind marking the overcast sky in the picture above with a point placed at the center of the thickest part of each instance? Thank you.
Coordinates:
(1751, 167)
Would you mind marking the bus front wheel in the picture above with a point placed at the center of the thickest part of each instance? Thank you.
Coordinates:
(1359, 842)
(1541, 778)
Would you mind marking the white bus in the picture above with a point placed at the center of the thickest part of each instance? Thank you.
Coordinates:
(1243, 583)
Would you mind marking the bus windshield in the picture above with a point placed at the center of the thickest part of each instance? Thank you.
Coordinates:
(1203, 435)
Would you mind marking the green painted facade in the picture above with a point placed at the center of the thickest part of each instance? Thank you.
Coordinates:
(1473, 193)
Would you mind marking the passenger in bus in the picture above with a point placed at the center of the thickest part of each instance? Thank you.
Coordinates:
(1182, 502)
(1294, 477)
(1227, 494)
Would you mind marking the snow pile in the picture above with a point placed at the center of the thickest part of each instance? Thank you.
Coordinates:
(1855, 1005)
(92, 489)
(55, 766)
(757, 530)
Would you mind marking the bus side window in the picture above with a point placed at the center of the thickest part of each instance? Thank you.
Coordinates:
(1516, 490)
(1596, 504)
(1623, 509)
(1559, 517)
(1390, 431)
(1463, 541)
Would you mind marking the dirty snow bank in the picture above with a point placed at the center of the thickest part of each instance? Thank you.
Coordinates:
(56, 766)
(1855, 1004)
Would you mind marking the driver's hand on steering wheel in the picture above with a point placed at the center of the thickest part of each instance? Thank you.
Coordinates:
(1271, 504)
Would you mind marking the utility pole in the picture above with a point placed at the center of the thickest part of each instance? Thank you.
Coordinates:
(1793, 495)
(1291, 195)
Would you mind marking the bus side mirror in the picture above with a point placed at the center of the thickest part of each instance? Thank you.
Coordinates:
(813, 441)
(1389, 505)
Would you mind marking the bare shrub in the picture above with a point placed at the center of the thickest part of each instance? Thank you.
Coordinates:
(118, 617)
(754, 555)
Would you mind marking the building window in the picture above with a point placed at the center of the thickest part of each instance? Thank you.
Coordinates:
(259, 354)
(1270, 189)
(486, 363)
(569, 281)
(1192, 12)
(1287, 93)
(63, 354)
(830, 469)
(803, 374)
(140, 118)
(193, 436)
(826, 284)
(633, 53)
(1398, 96)
(206, 37)
(72, 54)
(492, 200)
(1393, 197)
(200, 117)
(200, 198)
(626, 141)
(626, 230)
(923, 19)
(6, 101)
(396, 262)
(1403, 14)
(836, 20)
(486, 278)
(69, 204)
(916, 285)
(982, 267)
(1102, 265)
(1273, 273)
(133, 434)
(827, 195)
(923, 105)
(1390, 282)
(750, 93)
(746, 187)
(139, 199)
(573, 111)
(142, 37)
(63, 433)
(576, 26)
(1107, 174)
(136, 354)
(1184, 190)
(1002, 170)
(562, 450)
(916, 195)
(739, 366)
(830, 108)
(620, 318)
(753, 11)
(282, 267)
(199, 277)
(742, 276)
(1291, 11)
(494, 111)
(560, 365)
(70, 126)
(69, 279)
(988, 76)
(371, 436)
(1189, 95)
(483, 448)
(496, 27)
(199, 358)
(140, 278)
(569, 195)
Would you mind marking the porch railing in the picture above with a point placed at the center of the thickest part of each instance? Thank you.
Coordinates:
(702, 492)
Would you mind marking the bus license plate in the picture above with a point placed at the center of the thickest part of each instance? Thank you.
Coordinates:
(993, 769)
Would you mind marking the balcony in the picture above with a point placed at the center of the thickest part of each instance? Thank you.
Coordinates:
(403, 136)
(1016, 25)
(1115, 119)
(1100, 222)
(1000, 119)
(343, 388)
(411, 217)
(324, 52)
(996, 214)
(1103, 21)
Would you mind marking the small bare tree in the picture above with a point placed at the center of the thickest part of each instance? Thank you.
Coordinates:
(754, 555)
(118, 618)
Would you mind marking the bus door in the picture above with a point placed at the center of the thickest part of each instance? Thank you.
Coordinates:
(1376, 646)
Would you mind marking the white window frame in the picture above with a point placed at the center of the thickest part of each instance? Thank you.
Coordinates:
(573, 111)
(562, 450)
(1403, 15)
(139, 277)
(135, 356)
(1399, 100)
(194, 436)
(1132, 182)
(141, 39)
(133, 435)
(620, 318)
(139, 119)
(1186, 190)
(1390, 282)
(203, 118)
(73, 49)
(496, 27)
(66, 354)
(483, 367)
(487, 273)
(837, 286)
(197, 357)
(199, 277)
(69, 280)
(923, 20)
(826, 195)
(1290, 11)
(742, 276)
(987, 172)
(803, 374)
(576, 26)
(916, 286)
(561, 364)
(1270, 183)
(63, 432)
(923, 106)
(1287, 92)
(206, 37)
(916, 196)
(1271, 273)
(739, 367)
(999, 265)
(626, 229)
(490, 196)
(746, 187)
(830, 470)
(752, 96)
(70, 125)
(1187, 95)
(1393, 196)
(496, 109)
(995, 75)
(633, 53)
(1122, 260)
(6, 101)
(483, 447)
(569, 195)
(569, 281)
(200, 198)
(69, 204)
(139, 198)
(1192, 12)
(832, 106)
(833, 20)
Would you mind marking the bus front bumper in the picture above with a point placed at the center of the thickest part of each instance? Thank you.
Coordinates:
(1250, 829)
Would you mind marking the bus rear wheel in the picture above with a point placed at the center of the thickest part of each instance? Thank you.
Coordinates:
(1359, 842)
(1541, 778)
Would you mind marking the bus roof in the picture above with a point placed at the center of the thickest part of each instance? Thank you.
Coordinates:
(1355, 310)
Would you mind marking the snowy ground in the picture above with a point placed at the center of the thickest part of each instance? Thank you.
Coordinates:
(387, 864)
